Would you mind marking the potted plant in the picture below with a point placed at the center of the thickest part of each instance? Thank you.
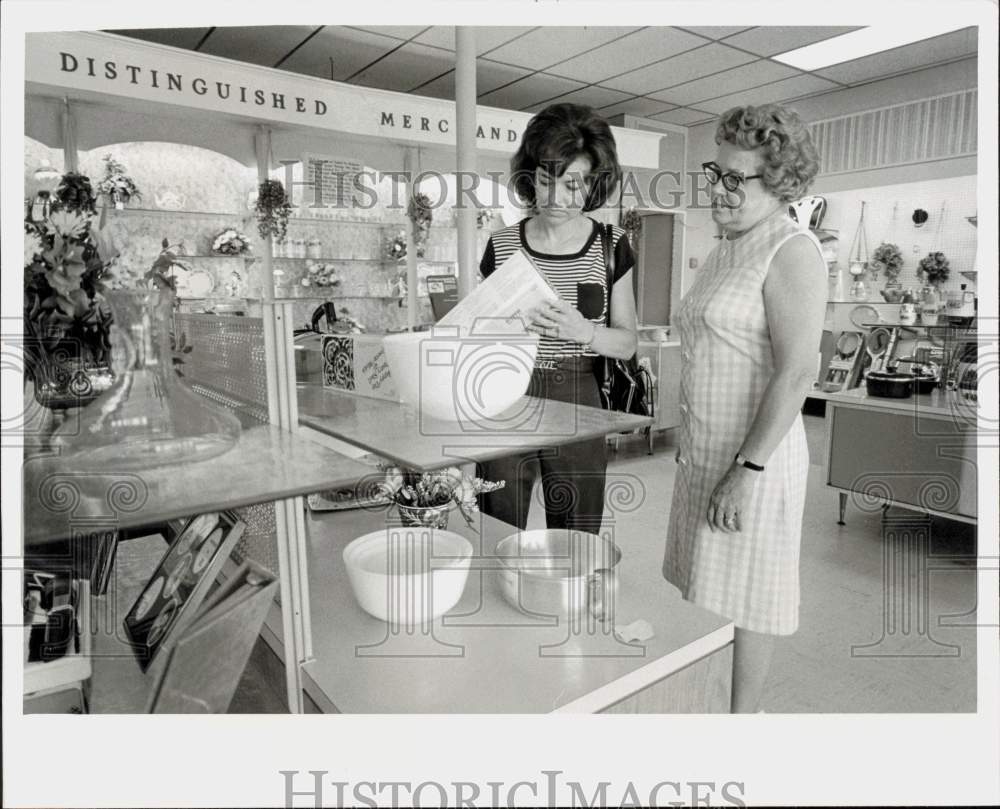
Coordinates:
(273, 210)
(426, 499)
(632, 225)
(75, 193)
(395, 247)
(888, 258)
(116, 185)
(934, 269)
(67, 319)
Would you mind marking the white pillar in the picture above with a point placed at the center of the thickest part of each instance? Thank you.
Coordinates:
(410, 168)
(465, 114)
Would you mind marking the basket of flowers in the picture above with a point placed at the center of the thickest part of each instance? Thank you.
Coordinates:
(934, 268)
(116, 185)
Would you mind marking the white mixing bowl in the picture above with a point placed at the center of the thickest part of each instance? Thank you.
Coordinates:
(466, 379)
(408, 576)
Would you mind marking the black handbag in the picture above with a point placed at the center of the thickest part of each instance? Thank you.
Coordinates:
(623, 385)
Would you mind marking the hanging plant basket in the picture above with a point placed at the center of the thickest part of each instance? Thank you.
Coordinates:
(273, 209)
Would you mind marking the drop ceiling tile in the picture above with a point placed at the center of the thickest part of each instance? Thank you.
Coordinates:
(715, 31)
(489, 76)
(350, 49)
(634, 51)
(551, 44)
(778, 91)
(592, 96)
(678, 69)
(905, 58)
(536, 87)
(258, 45)
(398, 31)
(177, 37)
(643, 107)
(406, 68)
(771, 39)
(683, 116)
(729, 81)
(487, 36)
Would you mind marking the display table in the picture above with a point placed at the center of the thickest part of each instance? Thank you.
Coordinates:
(917, 453)
(398, 432)
(485, 656)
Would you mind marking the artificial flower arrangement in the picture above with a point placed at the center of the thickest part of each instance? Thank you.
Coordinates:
(116, 184)
(934, 268)
(483, 217)
(67, 261)
(231, 243)
(321, 275)
(887, 258)
(422, 497)
(395, 247)
(273, 210)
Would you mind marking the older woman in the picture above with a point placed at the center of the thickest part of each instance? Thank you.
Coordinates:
(750, 328)
(566, 166)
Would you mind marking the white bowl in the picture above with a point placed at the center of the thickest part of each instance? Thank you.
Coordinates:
(467, 379)
(408, 576)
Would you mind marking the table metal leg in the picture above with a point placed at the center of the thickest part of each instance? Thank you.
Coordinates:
(843, 508)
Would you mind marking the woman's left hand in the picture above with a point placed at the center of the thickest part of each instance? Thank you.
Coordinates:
(727, 507)
(562, 320)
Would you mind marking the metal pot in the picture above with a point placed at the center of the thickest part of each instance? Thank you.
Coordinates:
(889, 384)
(559, 572)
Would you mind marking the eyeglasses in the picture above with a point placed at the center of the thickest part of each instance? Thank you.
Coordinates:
(731, 180)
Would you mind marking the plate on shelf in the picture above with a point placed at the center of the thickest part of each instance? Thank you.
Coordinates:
(865, 313)
(193, 283)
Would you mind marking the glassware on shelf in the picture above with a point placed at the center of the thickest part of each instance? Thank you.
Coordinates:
(148, 417)
(835, 282)
(859, 290)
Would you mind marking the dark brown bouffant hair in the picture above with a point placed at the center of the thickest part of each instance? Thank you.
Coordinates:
(790, 160)
(556, 137)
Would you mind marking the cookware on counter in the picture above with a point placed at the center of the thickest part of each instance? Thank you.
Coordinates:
(559, 572)
(889, 384)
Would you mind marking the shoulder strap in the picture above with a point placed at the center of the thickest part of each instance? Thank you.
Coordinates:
(607, 238)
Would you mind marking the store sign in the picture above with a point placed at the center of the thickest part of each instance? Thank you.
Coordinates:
(139, 72)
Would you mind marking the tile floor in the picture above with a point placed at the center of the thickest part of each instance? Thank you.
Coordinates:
(846, 657)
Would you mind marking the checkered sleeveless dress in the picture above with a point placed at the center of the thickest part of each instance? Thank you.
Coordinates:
(751, 577)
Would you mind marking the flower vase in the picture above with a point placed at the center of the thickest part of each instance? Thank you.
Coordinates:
(424, 516)
(148, 417)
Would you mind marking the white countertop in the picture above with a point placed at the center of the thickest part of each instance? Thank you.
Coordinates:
(485, 656)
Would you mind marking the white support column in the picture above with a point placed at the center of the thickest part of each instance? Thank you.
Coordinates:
(283, 411)
(465, 114)
(71, 157)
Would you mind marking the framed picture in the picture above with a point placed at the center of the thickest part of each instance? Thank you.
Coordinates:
(180, 582)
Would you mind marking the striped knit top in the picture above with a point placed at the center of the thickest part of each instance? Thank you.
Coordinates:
(579, 278)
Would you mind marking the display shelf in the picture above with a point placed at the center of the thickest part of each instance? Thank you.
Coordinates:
(266, 464)
(210, 255)
(385, 261)
(167, 212)
(396, 431)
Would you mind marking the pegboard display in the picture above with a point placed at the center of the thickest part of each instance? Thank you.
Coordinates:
(888, 218)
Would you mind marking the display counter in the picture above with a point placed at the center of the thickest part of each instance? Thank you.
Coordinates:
(917, 453)
(485, 656)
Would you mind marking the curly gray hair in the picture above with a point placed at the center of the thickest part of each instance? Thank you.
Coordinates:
(790, 160)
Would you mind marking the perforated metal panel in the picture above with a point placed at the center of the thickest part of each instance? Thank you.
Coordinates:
(226, 364)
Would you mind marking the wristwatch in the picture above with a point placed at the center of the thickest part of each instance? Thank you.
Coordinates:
(748, 464)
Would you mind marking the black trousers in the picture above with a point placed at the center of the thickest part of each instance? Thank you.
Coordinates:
(572, 475)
